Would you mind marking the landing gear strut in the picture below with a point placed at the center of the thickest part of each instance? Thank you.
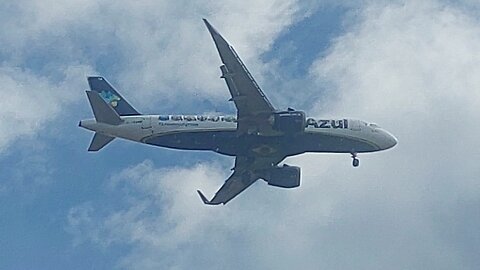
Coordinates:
(355, 161)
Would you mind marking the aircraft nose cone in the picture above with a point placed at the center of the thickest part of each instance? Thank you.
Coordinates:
(393, 141)
(390, 140)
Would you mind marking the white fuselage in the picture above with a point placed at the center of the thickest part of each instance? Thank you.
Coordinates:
(216, 133)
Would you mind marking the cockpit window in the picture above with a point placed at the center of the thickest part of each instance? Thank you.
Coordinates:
(374, 125)
(230, 119)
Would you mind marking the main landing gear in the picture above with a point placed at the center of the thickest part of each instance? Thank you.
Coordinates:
(355, 161)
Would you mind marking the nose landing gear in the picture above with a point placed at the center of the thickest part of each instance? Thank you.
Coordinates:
(355, 161)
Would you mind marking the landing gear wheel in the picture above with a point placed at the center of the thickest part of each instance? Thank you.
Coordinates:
(355, 162)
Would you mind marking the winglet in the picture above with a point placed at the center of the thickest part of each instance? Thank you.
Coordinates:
(211, 29)
(219, 41)
(204, 199)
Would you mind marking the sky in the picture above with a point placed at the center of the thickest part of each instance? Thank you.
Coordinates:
(412, 67)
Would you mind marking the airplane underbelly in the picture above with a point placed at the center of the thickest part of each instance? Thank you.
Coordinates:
(331, 143)
(218, 141)
(227, 143)
(224, 142)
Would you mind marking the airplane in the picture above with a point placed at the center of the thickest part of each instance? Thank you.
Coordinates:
(259, 136)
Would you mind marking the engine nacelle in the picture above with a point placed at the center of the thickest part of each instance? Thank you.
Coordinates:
(285, 177)
(289, 121)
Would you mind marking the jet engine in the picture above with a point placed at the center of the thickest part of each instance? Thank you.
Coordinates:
(285, 177)
(289, 121)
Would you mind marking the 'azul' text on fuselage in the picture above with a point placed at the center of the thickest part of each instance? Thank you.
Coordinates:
(322, 123)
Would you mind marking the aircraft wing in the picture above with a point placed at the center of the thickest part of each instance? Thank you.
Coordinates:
(235, 184)
(247, 95)
(246, 171)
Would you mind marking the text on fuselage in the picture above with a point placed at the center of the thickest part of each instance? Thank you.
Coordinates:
(322, 123)
(201, 118)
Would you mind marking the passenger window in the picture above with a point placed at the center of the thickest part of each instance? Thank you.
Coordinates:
(190, 118)
(213, 118)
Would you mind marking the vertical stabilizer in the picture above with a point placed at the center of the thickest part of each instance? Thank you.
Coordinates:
(111, 96)
(101, 110)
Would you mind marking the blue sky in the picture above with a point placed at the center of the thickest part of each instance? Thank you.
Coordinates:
(410, 67)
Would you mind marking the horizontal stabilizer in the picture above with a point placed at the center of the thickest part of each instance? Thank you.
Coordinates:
(102, 111)
(99, 141)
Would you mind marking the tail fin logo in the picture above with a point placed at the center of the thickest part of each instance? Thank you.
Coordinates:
(110, 98)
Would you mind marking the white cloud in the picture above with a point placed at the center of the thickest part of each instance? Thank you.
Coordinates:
(30, 101)
(162, 212)
(41, 72)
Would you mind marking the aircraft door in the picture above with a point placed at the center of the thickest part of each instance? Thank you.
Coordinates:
(146, 122)
(355, 125)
